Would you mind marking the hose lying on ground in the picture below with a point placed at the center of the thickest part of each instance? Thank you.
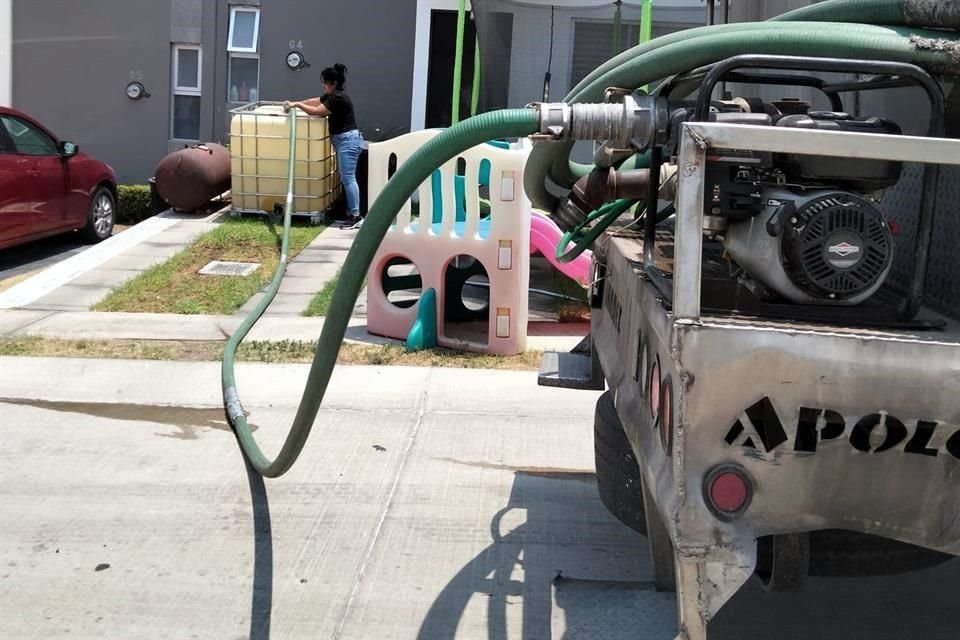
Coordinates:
(455, 140)
(937, 51)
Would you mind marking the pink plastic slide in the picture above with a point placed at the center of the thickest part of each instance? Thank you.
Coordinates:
(545, 235)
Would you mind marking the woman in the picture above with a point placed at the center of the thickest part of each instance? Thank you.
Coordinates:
(336, 105)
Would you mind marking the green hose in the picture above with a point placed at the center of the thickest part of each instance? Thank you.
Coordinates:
(651, 61)
(818, 39)
(678, 53)
(602, 218)
(445, 146)
(862, 11)
(847, 12)
(231, 402)
(942, 14)
(605, 215)
(458, 63)
(475, 87)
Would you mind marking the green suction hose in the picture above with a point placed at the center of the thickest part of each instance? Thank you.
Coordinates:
(850, 12)
(458, 138)
(549, 161)
(917, 13)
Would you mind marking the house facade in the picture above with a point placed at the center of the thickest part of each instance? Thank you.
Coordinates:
(132, 80)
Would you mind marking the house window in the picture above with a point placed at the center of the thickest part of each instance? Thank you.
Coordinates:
(186, 92)
(243, 67)
(244, 30)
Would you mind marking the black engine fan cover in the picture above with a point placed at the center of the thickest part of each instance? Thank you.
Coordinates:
(836, 246)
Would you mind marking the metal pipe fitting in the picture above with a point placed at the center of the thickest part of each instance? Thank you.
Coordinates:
(598, 187)
(637, 122)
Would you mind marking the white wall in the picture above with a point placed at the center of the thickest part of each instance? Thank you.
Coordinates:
(6, 52)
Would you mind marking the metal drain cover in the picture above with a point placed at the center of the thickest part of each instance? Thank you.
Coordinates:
(219, 268)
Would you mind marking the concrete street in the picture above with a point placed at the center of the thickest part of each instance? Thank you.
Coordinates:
(437, 503)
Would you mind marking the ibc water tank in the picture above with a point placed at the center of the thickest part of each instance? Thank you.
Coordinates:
(259, 152)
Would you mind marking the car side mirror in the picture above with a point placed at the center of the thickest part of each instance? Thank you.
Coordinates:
(68, 149)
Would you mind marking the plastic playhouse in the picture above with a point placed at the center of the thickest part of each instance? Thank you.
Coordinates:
(481, 231)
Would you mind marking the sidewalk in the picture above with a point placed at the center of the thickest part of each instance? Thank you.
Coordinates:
(55, 302)
(453, 504)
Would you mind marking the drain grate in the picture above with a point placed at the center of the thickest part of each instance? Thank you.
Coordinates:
(219, 268)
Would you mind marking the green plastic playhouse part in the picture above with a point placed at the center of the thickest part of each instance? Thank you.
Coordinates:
(507, 123)
(423, 333)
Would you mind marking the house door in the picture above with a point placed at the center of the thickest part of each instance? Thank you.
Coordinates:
(435, 43)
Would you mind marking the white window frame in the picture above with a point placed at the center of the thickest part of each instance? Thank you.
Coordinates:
(256, 30)
(184, 91)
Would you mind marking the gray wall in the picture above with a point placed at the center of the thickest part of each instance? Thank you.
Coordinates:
(71, 63)
(373, 38)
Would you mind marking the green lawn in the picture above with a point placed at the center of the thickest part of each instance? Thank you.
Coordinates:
(259, 351)
(176, 286)
(320, 303)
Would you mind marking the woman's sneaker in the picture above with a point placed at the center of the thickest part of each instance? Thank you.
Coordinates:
(353, 222)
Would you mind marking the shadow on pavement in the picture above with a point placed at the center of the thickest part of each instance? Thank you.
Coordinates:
(261, 602)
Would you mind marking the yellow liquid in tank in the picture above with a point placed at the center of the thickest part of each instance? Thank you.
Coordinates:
(259, 147)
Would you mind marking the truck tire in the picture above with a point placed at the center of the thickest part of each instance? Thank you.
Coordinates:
(618, 473)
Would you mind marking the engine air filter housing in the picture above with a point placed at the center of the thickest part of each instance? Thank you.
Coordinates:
(837, 246)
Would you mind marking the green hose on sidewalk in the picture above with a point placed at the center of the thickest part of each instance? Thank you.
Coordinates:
(823, 30)
(456, 139)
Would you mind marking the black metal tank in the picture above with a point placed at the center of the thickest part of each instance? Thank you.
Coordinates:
(189, 178)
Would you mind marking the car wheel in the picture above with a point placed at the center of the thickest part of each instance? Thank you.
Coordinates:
(101, 216)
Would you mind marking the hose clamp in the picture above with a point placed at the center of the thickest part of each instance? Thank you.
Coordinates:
(554, 120)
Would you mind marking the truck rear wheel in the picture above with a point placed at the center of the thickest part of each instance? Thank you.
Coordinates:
(623, 493)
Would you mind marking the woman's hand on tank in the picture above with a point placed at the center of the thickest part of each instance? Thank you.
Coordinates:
(287, 105)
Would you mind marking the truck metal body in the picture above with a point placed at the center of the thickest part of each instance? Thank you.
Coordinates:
(831, 427)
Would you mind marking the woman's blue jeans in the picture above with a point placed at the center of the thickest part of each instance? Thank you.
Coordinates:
(348, 145)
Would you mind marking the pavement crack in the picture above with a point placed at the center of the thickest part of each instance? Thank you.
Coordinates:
(19, 330)
(378, 529)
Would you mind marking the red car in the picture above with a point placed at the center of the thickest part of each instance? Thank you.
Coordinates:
(47, 186)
